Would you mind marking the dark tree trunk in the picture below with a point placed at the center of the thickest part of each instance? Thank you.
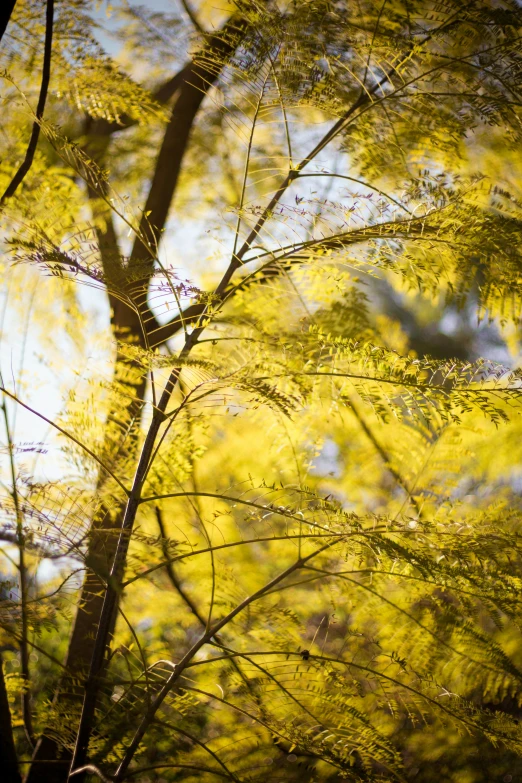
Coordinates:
(5, 15)
(8, 759)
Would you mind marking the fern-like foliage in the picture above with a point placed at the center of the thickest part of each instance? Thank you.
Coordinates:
(259, 536)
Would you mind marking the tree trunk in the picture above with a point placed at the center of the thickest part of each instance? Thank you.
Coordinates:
(8, 759)
(190, 85)
(5, 15)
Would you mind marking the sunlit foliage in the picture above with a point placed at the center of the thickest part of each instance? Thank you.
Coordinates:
(268, 260)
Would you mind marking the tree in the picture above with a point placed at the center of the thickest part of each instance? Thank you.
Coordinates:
(250, 598)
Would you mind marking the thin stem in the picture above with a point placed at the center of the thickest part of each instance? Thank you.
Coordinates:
(217, 547)
(247, 165)
(22, 571)
(512, 668)
(385, 458)
(374, 672)
(283, 112)
(271, 728)
(170, 569)
(201, 744)
(192, 16)
(176, 766)
(358, 182)
(178, 587)
(197, 507)
(67, 434)
(46, 74)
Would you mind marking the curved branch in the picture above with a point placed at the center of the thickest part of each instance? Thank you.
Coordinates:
(46, 75)
(5, 16)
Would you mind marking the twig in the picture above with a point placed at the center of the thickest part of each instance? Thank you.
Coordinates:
(201, 744)
(92, 770)
(190, 603)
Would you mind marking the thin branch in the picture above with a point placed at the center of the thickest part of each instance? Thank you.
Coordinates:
(274, 730)
(46, 75)
(333, 175)
(190, 603)
(170, 570)
(231, 545)
(92, 770)
(511, 666)
(67, 435)
(36, 647)
(192, 16)
(247, 163)
(22, 571)
(175, 766)
(374, 672)
(385, 457)
(201, 744)
(5, 15)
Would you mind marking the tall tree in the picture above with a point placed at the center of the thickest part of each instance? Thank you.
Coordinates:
(325, 138)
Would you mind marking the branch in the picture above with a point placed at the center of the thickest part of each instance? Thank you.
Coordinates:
(174, 677)
(92, 770)
(169, 567)
(201, 744)
(170, 570)
(5, 15)
(385, 457)
(432, 702)
(46, 74)
(22, 571)
(364, 100)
